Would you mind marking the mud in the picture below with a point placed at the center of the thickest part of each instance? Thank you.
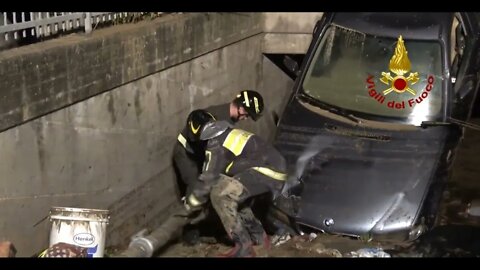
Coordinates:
(299, 246)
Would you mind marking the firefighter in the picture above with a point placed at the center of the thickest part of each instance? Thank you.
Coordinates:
(188, 153)
(238, 166)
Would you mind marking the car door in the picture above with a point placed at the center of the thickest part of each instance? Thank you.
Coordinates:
(463, 75)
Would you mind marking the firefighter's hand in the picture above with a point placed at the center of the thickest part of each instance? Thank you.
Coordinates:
(199, 216)
(293, 186)
(191, 204)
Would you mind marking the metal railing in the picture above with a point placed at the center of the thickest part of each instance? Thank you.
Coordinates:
(15, 26)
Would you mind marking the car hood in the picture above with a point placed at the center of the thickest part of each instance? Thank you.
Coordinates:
(358, 180)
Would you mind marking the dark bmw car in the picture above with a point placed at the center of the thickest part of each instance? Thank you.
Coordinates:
(376, 114)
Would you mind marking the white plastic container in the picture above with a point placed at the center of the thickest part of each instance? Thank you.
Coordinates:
(80, 227)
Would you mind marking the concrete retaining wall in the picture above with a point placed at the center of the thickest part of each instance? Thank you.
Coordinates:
(113, 150)
(288, 32)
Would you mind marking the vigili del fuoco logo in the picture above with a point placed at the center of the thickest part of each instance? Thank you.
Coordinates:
(399, 79)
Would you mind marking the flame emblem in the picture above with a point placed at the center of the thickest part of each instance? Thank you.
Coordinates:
(399, 65)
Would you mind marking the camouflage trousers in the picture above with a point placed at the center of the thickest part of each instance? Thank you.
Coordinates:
(241, 225)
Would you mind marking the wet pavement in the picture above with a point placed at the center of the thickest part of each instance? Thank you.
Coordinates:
(457, 235)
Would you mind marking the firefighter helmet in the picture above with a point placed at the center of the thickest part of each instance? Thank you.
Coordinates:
(252, 102)
(195, 122)
(213, 129)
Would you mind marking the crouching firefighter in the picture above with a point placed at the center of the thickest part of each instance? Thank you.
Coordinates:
(188, 152)
(238, 165)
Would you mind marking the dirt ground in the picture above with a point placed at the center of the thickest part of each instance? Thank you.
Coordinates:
(458, 235)
(321, 246)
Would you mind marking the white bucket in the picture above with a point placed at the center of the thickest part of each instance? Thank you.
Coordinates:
(81, 227)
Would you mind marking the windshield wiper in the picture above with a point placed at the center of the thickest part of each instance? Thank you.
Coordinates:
(426, 124)
(329, 108)
(452, 121)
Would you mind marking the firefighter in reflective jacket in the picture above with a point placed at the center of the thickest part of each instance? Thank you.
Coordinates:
(188, 153)
(238, 165)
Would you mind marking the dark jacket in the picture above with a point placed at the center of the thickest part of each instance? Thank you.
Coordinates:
(234, 152)
(188, 156)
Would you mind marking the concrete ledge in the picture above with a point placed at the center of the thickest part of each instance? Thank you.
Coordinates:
(286, 43)
(290, 22)
(44, 77)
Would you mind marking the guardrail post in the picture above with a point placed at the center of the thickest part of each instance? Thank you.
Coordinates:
(88, 23)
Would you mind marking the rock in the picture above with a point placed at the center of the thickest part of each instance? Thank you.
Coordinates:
(278, 240)
(328, 252)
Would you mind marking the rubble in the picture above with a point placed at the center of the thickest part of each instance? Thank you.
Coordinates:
(368, 253)
(278, 240)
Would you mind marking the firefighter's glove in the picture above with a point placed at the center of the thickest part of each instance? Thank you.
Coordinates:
(195, 219)
(192, 204)
(293, 186)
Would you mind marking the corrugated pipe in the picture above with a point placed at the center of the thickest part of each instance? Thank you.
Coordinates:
(145, 246)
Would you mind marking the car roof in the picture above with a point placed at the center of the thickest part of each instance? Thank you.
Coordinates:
(411, 25)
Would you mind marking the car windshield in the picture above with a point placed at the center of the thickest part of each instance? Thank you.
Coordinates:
(379, 76)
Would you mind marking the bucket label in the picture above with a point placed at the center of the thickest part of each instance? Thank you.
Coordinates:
(84, 239)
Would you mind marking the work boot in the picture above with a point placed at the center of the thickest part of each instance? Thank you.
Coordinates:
(239, 250)
(191, 236)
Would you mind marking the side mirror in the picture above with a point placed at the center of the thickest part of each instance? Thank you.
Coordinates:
(291, 65)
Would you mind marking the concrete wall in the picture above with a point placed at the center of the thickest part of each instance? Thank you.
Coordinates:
(112, 151)
(288, 32)
(50, 75)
